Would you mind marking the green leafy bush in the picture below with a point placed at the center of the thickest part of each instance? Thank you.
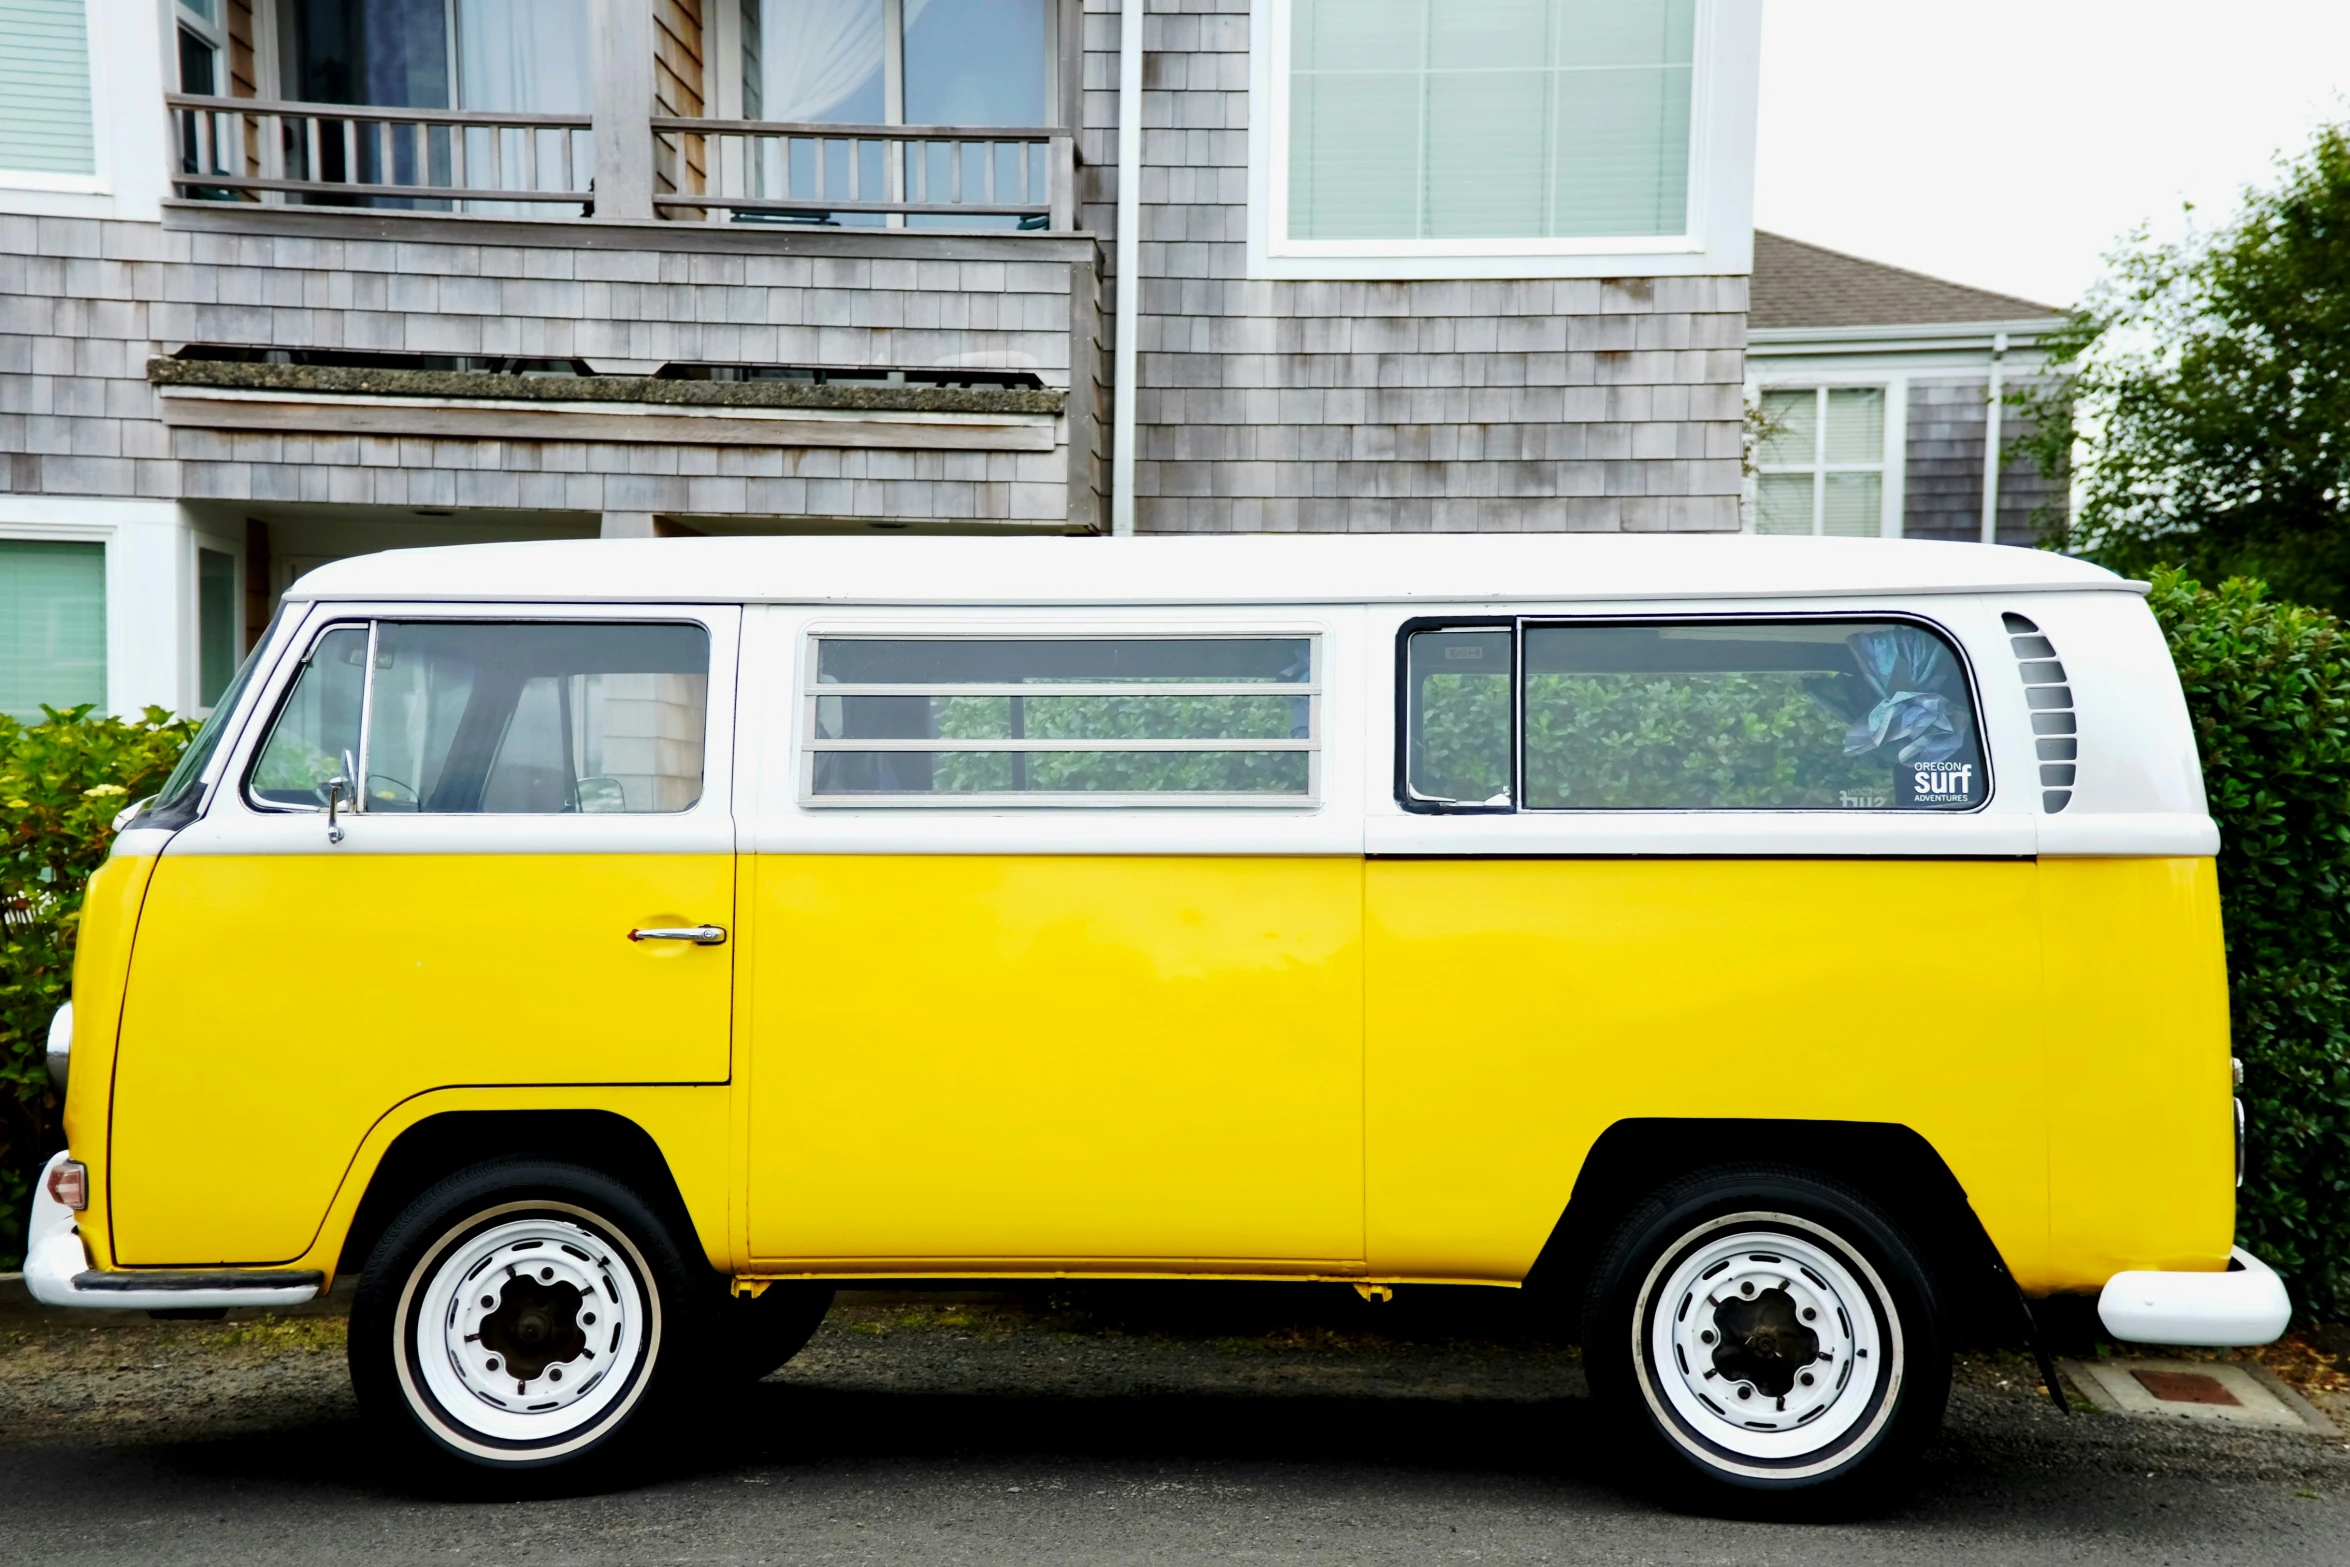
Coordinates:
(2268, 685)
(62, 782)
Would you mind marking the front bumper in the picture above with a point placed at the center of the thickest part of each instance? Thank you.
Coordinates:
(57, 1272)
(2240, 1307)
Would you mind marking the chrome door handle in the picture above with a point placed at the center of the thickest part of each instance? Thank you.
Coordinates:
(699, 935)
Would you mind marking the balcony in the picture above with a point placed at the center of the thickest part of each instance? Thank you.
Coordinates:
(548, 166)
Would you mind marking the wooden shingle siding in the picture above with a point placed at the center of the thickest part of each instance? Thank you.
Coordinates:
(680, 163)
(243, 76)
(1388, 406)
(1943, 487)
(87, 303)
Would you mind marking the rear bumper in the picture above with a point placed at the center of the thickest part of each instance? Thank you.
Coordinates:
(57, 1272)
(2243, 1306)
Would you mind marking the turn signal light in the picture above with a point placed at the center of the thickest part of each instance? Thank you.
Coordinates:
(69, 1183)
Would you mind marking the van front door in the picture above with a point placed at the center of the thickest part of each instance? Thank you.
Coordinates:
(529, 793)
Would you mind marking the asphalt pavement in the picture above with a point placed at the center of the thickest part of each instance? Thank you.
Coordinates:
(1250, 1424)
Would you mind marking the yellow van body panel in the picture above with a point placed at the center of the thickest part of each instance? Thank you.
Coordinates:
(2142, 1159)
(1518, 1008)
(279, 1005)
(687, 1122)
(1119, 1063)
(101, 963)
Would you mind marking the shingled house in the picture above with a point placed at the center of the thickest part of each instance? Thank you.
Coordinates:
(1885, 391)
(286, 280)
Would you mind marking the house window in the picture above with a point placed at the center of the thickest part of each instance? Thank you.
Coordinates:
(216, 624)
(45, 120)
(52, 626)
(1822, 463)
(1490, 119)
(893, 62)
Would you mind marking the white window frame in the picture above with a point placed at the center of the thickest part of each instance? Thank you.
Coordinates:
(1314, 690)
(213, 34)
(1721, 180)
(97, 39)
(1889, 465)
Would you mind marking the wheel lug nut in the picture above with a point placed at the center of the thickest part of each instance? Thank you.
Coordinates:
(1810, 1313)
(1747, 1288)
(546, 1275)
(1707, 1337)
(554, 1373)
(1744, 1391)
(587, 1319)
(1807, 1379)
(488, 1301)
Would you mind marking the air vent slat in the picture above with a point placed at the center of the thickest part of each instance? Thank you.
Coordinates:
(2050, 698)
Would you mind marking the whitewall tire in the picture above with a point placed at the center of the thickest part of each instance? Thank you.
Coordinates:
(1762, 1330)
(519, 1316)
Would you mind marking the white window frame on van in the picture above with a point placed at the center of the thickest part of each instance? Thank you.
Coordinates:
(808, 746)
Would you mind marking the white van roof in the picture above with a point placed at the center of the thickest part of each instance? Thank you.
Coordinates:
(1197, 569)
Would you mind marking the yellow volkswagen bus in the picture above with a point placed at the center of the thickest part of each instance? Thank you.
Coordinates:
(1783, 948)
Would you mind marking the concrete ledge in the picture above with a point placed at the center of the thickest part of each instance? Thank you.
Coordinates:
(650, 390)
(521, 419)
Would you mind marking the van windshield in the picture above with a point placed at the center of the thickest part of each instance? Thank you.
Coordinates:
(174, 805)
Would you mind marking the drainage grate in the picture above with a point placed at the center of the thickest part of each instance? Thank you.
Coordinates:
(2054, 732)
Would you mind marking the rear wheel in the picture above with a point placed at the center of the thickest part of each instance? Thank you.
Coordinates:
(519, 1315)
(1761, 1330)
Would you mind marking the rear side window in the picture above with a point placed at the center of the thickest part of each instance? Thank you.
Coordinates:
(1835, 715)
(491, 718)
(1062, 720)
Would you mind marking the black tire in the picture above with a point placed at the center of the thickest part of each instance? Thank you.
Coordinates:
(758, 1334)
(1764, 1339)
(595, 1340)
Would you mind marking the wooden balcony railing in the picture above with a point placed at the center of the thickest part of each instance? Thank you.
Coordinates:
(258, 149)
(817, 173)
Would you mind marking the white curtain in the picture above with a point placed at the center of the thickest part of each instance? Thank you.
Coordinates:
(530, 56)
(818, 52)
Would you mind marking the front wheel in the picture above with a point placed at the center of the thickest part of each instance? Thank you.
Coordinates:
(518, 1315)
(1763, 1330)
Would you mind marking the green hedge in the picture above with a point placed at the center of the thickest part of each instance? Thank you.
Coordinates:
(2268, 685)
(61, 783)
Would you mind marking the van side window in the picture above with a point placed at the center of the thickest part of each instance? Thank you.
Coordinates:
(479, 717)
(1718, 715)
(1053, 720)
(316, 736)
(1802, 715)
(1457, 717)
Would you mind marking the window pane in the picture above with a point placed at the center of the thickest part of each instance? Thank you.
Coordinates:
(1854, 506)
(1815, 716)
(1458, 749)
(216, 624)
(45, 88)
(1782, 503)
(1793, 419)
(52, 626)
(992, 661)
(975, 62)
(1489, 119)
(1856, 424)
(316, 736)
(967, 740)
(537, 718)
(818, 60)
(1062, 772)
(196, 65)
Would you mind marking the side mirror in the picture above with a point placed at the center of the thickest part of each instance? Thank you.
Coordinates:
(335, 788)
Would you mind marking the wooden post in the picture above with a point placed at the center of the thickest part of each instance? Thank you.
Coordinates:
(624, 110)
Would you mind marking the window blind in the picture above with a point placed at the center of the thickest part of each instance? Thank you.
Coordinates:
(1490, 119)
(45, 88)
(52, 626)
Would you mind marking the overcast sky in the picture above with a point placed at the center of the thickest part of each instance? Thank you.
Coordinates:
(2009, 143)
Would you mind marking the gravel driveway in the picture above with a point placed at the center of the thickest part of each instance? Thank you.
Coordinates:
(1112, 1424)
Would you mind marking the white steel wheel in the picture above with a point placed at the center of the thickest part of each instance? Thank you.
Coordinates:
(1766, 1347)
(1755, 1329)
(522, 1335)
(523, 1314)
